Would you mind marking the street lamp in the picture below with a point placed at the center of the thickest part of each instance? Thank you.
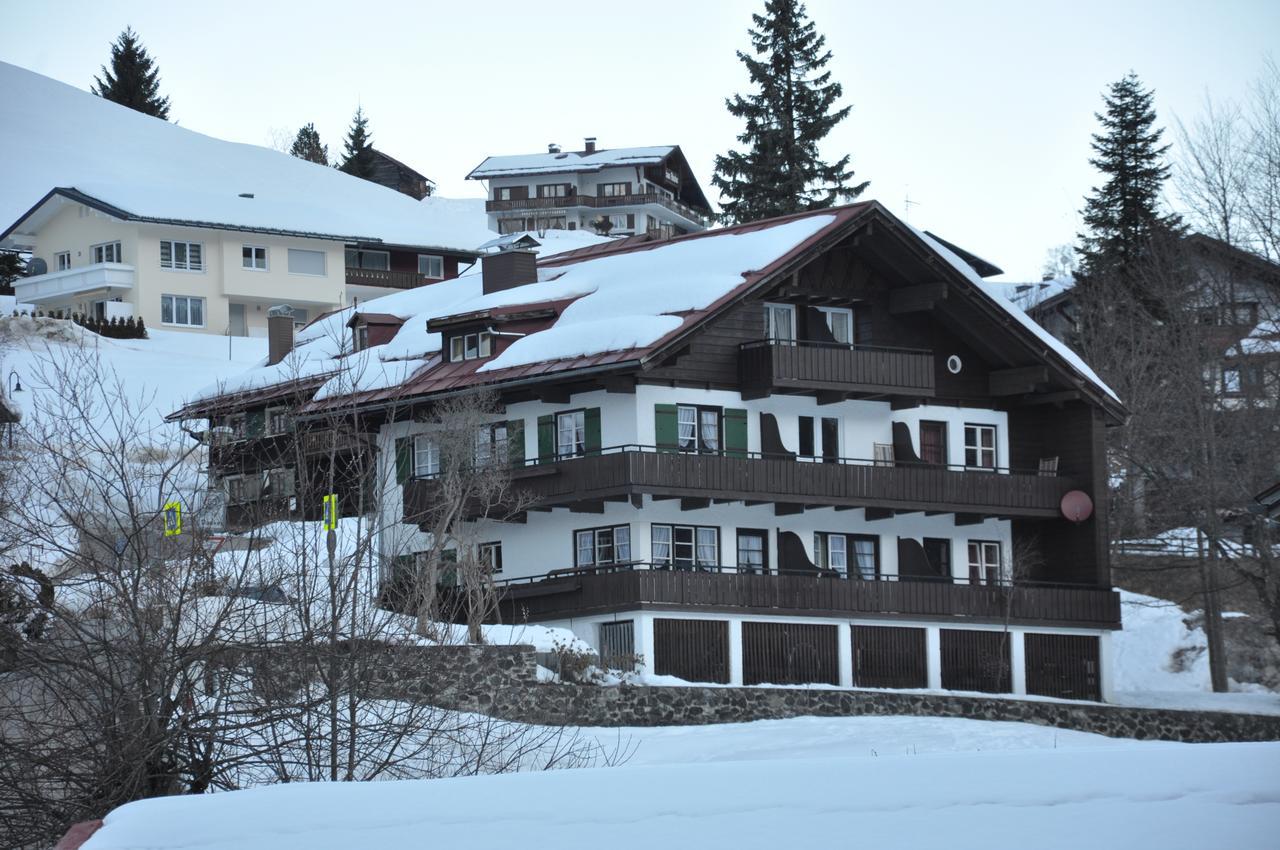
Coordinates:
(15, 383)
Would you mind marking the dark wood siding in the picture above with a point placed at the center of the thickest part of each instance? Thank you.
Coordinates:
(789, 654)
(889, 657)
(1064, 666)
(693, 650)
(976, 661)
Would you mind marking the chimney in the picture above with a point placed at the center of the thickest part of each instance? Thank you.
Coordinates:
(553, 148)
(507, 269)
(590, 144)
(279, 333)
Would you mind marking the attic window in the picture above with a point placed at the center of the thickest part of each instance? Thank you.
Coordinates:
(361, 336)
(470, 346)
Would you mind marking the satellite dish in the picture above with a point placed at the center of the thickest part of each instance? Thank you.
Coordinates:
(1076, 506)
(36, 266)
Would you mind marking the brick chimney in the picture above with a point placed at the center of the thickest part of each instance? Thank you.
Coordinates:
(279, 333)
(506, 269)
(589, 144)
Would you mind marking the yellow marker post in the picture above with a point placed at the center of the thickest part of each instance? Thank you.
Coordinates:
(330, 512)
(172, 519)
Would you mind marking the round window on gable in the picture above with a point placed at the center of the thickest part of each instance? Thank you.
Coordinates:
(954, 364)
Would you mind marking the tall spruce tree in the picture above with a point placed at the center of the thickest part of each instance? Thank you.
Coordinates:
(306, 145)
(358, 148)
(1123, 215)
(133, 79)
(792, 110)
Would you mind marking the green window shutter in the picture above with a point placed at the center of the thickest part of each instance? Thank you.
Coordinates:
(255, 423)
(515, 441)
(404, 459)
(666, 433)
(591, 431)
(735, 432)
(546, 438)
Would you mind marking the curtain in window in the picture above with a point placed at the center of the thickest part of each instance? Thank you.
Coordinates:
(838, 557)
(661, 544)
(710, 430)
(622, 543)
(426, 457)
(864, 554)
(586, 549)
(688, 423)
(572, 433)
(707, 547)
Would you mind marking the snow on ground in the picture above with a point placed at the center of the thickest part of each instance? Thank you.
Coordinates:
(876, 782)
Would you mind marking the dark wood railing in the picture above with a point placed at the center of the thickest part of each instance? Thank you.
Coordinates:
(389, 279)
(621, 471)
(622, 587)
(767, 365)
(597, 202)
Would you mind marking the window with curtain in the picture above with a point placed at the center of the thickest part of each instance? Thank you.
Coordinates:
(571, 433)
(685, 546)
(687, 420)
(780, 322)
(660, 544)
(751, 551)
(839, 322)
(426, 456)
(699, 428)
(933, 443)
(864, 556)
(838, 551)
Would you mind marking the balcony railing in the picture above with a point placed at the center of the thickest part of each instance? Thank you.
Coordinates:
(767, 365)
(389, 279)
(630, 586)
(597, 202)
(620, 471)
(54, 286)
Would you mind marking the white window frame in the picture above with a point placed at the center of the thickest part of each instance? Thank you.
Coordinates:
(695, 545)
(253, 258)
(107, 252)
(988, 563)
(324, 255)
(432, 259)
(588, 546)
(490, 554)
(63, 260)
(186, 265)
(426, 456)
(281, 482)
(847, 314)
(770, 316)
(974, 431)
(476, 346)
(571, 424)
(173, 311)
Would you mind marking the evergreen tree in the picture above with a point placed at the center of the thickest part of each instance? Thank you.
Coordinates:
(791, 112)
(1123, 216)
(306, 145)
(134, 79)
(358, 147)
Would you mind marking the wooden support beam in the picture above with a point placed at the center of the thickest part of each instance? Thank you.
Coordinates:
(590, 506)
(694, 504)
(918, 298)
(830, 397)
(846, 507)
(900, 403)
(724, 501)
(879, 513)
(968, 519)
(637, 500)
(934, 513)
(787, 509)
(1050, 398)
(553, 395)
(1002, 382)
(751, 503)
(659, 498)
(619, 383)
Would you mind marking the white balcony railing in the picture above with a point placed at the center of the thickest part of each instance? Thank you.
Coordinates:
(54, 286)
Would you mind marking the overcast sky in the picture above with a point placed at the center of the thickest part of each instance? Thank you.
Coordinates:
(979, 112)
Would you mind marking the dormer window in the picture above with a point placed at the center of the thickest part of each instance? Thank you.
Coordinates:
(361, 336)
(470, 346)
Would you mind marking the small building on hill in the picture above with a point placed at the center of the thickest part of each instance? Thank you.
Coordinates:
(394, 174)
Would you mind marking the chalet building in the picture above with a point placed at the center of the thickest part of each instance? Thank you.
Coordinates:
(127, 215)
(394, 174)
(621, 192)
(814, 449)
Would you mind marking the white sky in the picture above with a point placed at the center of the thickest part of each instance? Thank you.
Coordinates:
(980, 112)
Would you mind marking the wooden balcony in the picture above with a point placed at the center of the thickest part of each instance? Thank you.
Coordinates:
(598, 202)
(640, 586)
(388, 279)
(767, 366)
(620, 472)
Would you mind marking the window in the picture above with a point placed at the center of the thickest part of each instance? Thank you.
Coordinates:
(470, 346)
(1231, 380)
(491, 443)
(426, 457)
(182, 310)
(431, 265)
(63, 260)
(491, 557)
(980, 446)
(780, 322)
(1244, 314)
(277, 420)
(279, 483)
(360, 336)
(621, 221)
(613, 190)
(553, 190)
(181, 256)
(556, 222)
(237, 424)
(753, 551)
(685, 546)
(839, 322)
(253, 257)
(937, 551)
(837, 551)
(933, 443)
(107, 253)
(571, 433)
(597, 547)
(357, 258)
(306, 262)
(826, 435)
(984, 562)
(241, 488)
(699, 428)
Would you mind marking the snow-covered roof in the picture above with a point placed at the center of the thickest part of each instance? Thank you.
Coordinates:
(567, 162)
(155, 170)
